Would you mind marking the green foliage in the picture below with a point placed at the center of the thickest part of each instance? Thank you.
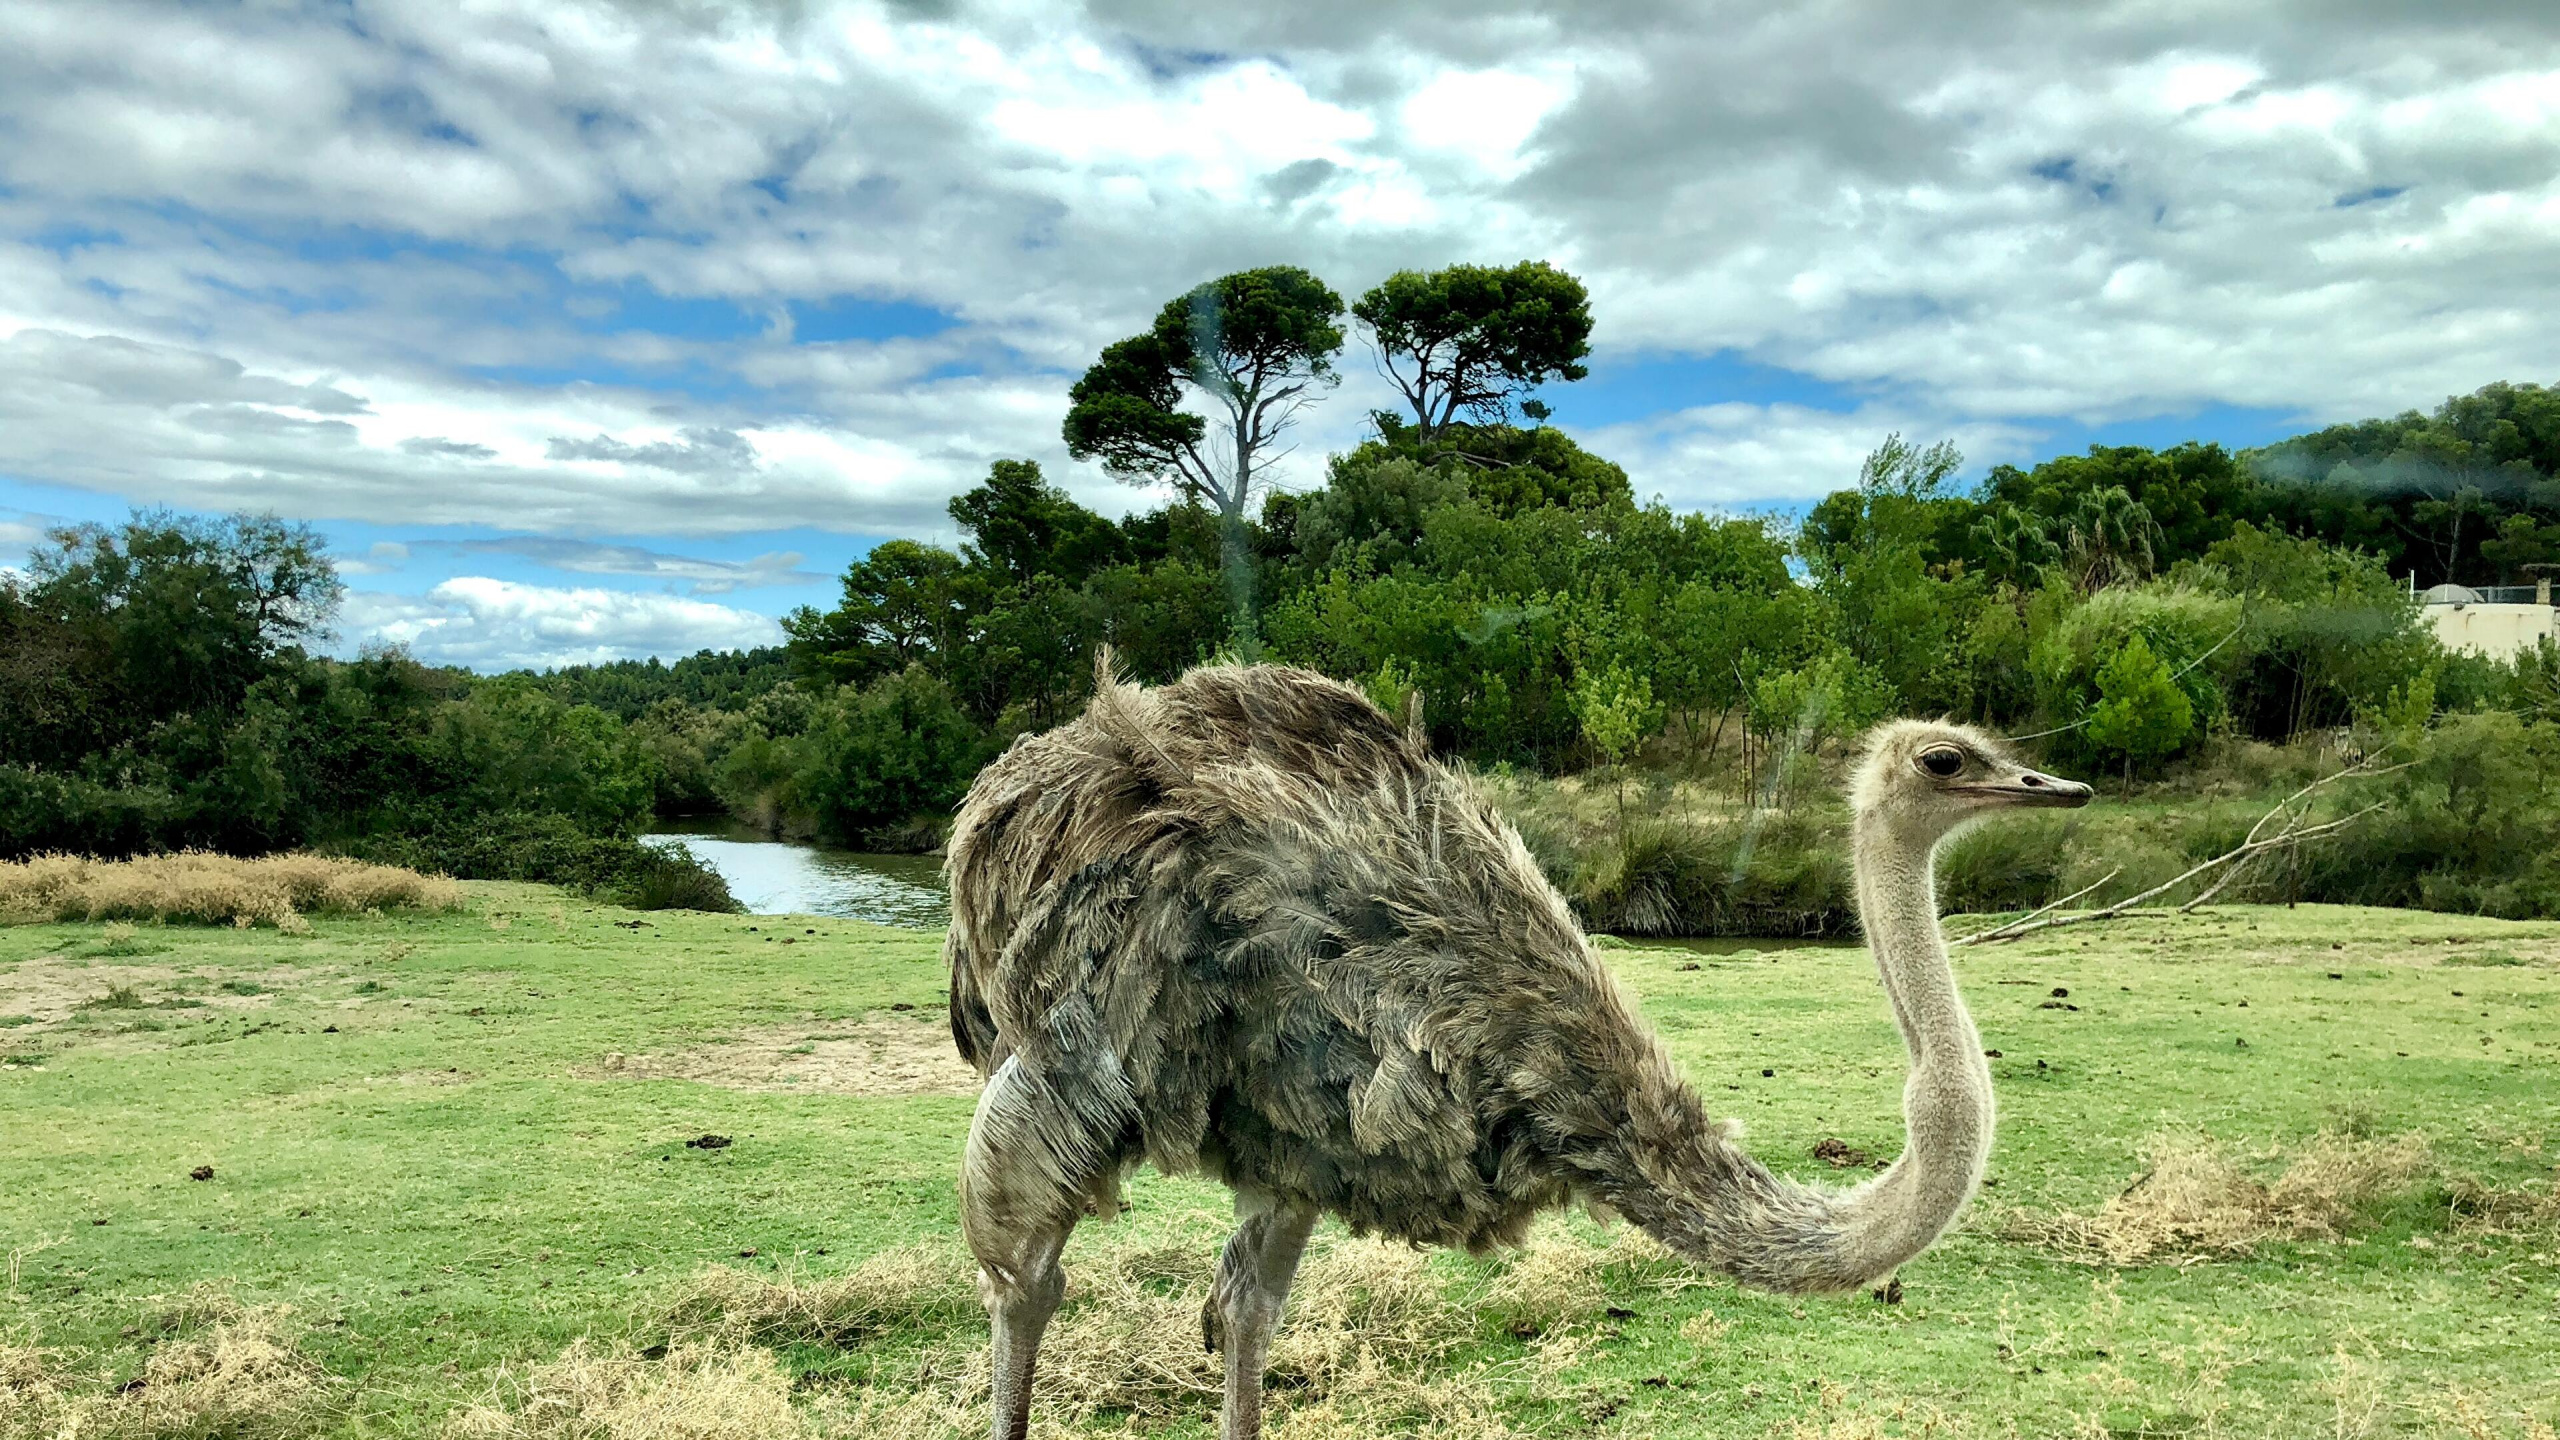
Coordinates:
(2141, 714)
(685, 744)
(1767, 875)
(113, 635)
(896, 749)
(864, 762)
(1617, 712)
(1251, 343)
(552, 849)
(1832, 698)
(513, 747)
(714, 680)
(2436, 493)
(2179, 628)
(2472, 826)
(2188, 497)
(1468, 339)
(2326, 630)
(2012, 863)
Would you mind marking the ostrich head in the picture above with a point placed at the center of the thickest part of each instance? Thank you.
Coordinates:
(1926, 778)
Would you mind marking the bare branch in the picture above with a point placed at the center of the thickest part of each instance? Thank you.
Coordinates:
(2001, 931)
(2230, 862)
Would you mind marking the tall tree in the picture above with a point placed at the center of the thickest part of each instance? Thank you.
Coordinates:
(1467, 340)
(1255, 348)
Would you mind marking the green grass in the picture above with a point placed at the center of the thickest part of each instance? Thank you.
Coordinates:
(439, 1140)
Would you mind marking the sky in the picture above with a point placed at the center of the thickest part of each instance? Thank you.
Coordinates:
(607, 329)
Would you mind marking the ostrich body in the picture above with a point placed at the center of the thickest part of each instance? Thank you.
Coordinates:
(1245, 925)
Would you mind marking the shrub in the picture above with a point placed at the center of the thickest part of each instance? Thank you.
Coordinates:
(1769, 873)
(2014, 863)
(213, 889)
(674, 878)
(550, 849)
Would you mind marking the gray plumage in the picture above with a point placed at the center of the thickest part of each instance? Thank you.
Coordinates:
(1244, 925)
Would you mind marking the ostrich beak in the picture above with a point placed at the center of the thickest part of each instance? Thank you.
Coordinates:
(2035, 788)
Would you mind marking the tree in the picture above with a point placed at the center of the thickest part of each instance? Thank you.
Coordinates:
(1020, 526)
(1255, 346)
(901, 607)
(1616, 712)
(2141, 713)
(1469, 338)
(2109, 539)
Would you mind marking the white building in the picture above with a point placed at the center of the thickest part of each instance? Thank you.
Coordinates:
(2499, 623)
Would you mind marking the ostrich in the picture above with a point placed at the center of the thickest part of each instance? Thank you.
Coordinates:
(1245, 925)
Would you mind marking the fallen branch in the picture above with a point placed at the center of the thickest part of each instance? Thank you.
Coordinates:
(2229, 862)
(2038, 913)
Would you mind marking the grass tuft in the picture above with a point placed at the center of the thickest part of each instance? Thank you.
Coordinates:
(902, 1288)
(2195, 1202)
(209, 889)
(697, 1392)
(221, 1372)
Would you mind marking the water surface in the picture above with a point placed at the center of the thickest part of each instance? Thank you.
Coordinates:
(781, 877)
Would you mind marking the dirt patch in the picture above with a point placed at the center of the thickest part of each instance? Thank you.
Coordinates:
(879, 1055)
(51, 988)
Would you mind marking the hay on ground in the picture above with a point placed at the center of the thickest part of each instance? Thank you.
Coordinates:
(695, 1393)
(2195, 1202)
(1370, 1340)
(222, 1371)
(909, 1286)
(204, 888)
(879, 1055)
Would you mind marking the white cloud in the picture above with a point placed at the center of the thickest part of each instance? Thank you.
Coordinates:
(486, 624)
(383, 557)
(697, 575)
(373, 260)
(1733, 455)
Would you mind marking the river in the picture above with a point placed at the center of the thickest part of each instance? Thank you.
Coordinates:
(781, 877)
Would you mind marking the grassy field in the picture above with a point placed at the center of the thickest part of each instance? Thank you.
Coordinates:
(465, 1174)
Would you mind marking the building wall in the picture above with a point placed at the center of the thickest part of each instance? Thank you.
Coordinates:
(2500, 632)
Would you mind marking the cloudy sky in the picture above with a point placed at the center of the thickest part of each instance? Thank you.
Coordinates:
(598, 329)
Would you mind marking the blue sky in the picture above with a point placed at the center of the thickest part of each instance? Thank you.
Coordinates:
(606, 328)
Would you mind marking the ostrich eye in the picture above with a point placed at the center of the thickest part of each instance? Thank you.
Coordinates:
(1943, 761)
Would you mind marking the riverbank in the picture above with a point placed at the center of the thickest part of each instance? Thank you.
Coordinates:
(790, 877)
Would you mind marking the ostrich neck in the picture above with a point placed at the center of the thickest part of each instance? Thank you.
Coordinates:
(1947, 1109)
(1645, 1146)
(1898, 906)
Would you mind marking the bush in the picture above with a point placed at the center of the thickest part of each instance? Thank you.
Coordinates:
(874, 767)
(213, 889)
(45, 813)
(2014, 863)
(1771, 873)
(550, 849)
(674, 878)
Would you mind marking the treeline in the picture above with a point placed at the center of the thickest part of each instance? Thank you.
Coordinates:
(2139, 610)
(156, 694)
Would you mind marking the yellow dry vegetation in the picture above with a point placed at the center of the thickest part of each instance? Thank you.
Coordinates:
(1372, 1343)
(2195, 1201)
(222, 1371)
(210, 889)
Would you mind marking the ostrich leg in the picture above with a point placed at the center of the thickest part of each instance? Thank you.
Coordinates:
(1246, 1299)
(1020, 1294)
(1017, 1207)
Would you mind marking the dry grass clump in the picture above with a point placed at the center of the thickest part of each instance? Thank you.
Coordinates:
(909, 1286)
(1373, 1336)
(225, 1372)
(2482, 1208)
(2195, 1202)
(698, 1392)
(211, 889)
